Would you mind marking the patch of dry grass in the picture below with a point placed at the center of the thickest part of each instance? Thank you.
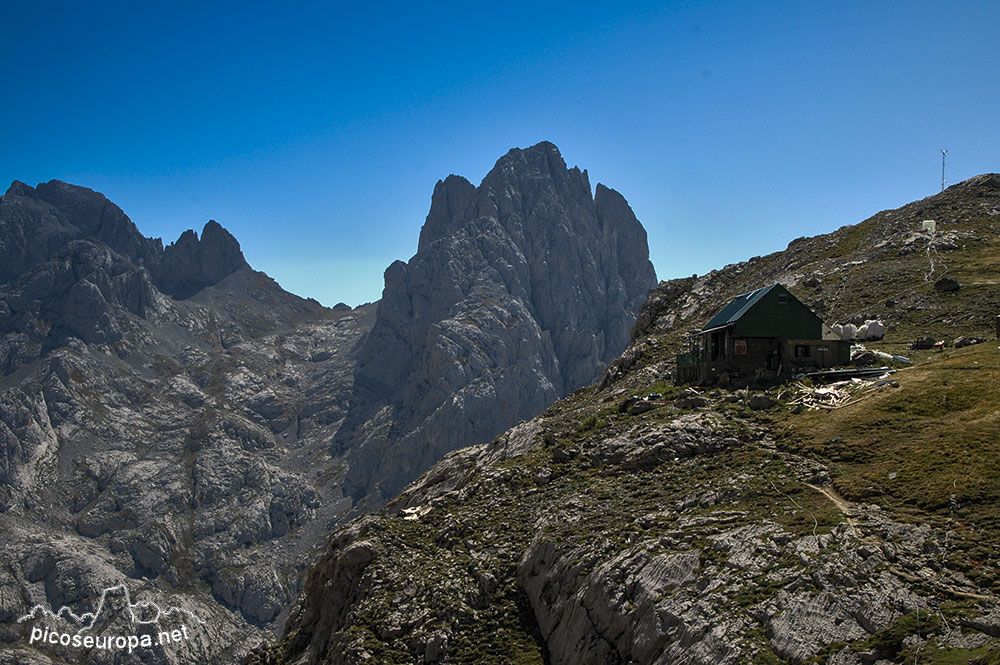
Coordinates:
(929, 448)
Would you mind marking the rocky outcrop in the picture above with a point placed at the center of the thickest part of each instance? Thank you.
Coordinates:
(190, 264)
(522, 290)
(650, 539)
(176, 471)
(74, 266)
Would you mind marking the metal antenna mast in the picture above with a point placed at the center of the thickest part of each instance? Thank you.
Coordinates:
(943, 153)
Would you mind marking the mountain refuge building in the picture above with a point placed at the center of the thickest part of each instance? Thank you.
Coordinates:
(764, 334)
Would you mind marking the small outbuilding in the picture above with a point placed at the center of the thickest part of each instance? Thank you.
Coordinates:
(766, 333)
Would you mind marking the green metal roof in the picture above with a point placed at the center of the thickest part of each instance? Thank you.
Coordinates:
(737, 307)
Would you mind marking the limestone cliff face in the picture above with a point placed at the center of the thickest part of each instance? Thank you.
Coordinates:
(521, 290)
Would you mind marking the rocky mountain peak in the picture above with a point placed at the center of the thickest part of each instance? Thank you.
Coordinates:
(520, 181)
(621, 232)
(18, 188)
(540, 159)
(521, 290)
(538, 175)
(190, 263)
(36, 222)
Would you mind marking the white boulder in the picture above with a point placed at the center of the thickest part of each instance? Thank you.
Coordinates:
(874, 330)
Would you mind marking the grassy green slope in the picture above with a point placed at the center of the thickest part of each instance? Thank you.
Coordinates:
(928, 450)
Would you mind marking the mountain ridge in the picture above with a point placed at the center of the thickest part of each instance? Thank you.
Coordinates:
(168, 414)
(701, 530)
(68, 213)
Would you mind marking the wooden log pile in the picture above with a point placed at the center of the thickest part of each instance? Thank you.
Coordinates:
(837, 395)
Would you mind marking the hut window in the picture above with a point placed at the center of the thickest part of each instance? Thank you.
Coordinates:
(802, 351)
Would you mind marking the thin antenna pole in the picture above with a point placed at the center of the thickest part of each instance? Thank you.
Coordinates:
(943, 153)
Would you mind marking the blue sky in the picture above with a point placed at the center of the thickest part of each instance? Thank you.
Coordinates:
(315, 131)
